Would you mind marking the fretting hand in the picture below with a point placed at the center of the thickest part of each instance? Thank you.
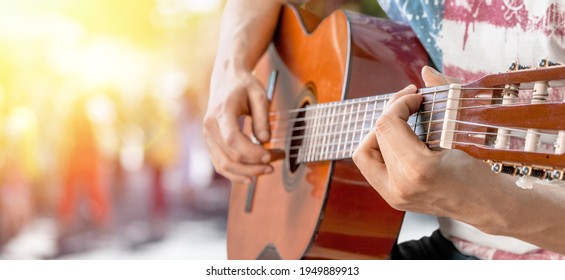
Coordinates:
(408, 175)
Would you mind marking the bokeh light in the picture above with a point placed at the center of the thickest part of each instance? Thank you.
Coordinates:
(100, 102)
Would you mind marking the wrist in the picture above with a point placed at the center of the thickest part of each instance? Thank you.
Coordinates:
(231, 64)
(504, 207)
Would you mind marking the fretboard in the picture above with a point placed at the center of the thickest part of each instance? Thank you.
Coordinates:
(332, 131)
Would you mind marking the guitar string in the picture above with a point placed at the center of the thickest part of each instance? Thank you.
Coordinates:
(431, 144)
(282, 129)
(386, 98)
(362, 133)
(468, 132)
(380, 110)
(524, 101)
(369, 99)
(420, 114)
(439, 101)
(412, 125)
(423, 92)
(350, 148)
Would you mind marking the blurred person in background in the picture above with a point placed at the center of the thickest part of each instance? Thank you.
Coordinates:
(20, 169)
(69, 51)
(81, 182)
(161, 153)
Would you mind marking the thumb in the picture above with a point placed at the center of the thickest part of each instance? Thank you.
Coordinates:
(434, 78)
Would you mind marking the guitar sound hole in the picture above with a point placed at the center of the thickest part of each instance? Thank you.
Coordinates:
(296, 136)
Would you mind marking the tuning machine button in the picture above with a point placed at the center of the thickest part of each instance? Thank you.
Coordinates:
(515, 66)
(544, 62)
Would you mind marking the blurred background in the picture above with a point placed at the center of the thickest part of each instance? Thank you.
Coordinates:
(101, 153)
(101, 149)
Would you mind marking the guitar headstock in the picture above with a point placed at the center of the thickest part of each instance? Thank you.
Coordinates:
(514, 120)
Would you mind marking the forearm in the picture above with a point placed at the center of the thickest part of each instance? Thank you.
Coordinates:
(246, 30)
(535, 215)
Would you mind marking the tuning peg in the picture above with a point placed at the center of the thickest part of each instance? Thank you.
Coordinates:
(544, 62)
(514, 66)
(523, 67)
(510, 90)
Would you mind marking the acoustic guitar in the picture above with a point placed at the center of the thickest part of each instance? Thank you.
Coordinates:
(323, 78)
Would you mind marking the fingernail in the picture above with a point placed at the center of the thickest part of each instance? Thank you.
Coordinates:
(410, 87)
(263, 136)
(266, 158)
(268, 170)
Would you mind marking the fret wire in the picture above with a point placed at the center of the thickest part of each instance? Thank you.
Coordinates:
(341, 129)
(431, 117)
(415, 122)
(320, 133)
(317, 133)
(330, 129)
(337, 128)
(348, 127)
(373, 124)
(363, 123)
(310, 136)
(314, 135)
(356, 123)
(329, 136)
(324, 138)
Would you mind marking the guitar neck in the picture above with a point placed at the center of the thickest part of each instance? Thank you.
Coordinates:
(332, 131)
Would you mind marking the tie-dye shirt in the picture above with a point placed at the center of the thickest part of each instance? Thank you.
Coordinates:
(468, 39)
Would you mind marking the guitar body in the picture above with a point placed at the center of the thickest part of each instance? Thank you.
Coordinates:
(322, 210)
